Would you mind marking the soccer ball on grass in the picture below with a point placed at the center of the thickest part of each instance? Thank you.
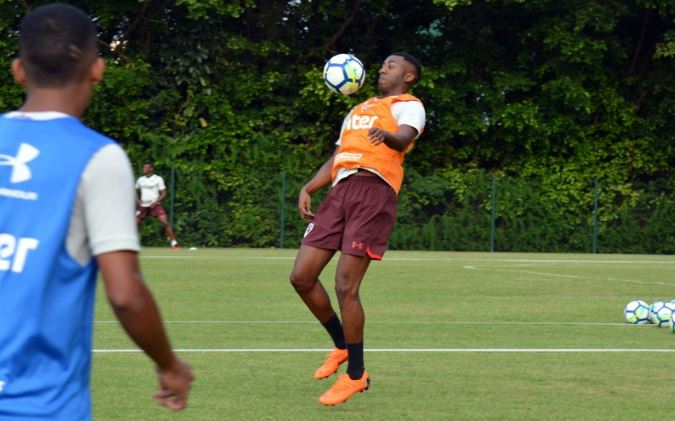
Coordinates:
(636, 312)
(660, 313)
(344, 74)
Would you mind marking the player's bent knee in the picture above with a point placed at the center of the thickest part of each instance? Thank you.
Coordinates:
(301, 283)
(346, 291)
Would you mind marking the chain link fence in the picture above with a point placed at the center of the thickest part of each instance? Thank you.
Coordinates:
(472, 211)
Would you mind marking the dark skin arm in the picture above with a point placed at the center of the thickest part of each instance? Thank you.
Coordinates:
(398, 141)
(321, 179)
(137, 311)
(162, 196)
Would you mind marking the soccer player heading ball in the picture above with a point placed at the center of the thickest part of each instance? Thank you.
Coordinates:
(357, 216)
(66, 209)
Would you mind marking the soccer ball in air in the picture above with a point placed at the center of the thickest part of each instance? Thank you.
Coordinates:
(344, 74)
(636, 312)
(660, 313)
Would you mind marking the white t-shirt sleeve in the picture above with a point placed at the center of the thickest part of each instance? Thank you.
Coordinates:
(103, 218)
(109, 202)
(160, 183)
(410, 113)
(342, 129)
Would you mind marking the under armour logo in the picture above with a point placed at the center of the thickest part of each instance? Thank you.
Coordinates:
(309, 229)
(356, 245)
(20, 171)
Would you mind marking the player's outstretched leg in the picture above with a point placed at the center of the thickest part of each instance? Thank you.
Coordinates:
(350, 272)
(167, 229)
(309, 263)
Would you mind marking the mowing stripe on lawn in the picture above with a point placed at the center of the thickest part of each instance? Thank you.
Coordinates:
(302, 322)
(402, 350)
(430, 259)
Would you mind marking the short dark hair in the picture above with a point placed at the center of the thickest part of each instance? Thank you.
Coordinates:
(412, 60)
(148, 162)
(57, 44)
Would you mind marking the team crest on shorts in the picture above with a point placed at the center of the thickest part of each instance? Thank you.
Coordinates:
(309, 229)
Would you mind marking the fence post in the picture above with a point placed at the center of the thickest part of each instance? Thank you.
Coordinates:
(493, 216)
(596, 190)
(282, 213)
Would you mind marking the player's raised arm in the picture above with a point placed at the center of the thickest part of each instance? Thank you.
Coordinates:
(398, 141)
(137, 311)
(321, 179)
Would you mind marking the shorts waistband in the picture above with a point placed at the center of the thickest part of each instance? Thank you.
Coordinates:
(365, 179)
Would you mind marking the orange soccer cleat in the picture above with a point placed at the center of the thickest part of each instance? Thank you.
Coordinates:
(336, 357)
(344, 388)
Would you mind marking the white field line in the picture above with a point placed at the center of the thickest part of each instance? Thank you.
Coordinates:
(458, 323)
(403, 350)
(561, 275)
(630, 262)
(434, 259)
(553, 275)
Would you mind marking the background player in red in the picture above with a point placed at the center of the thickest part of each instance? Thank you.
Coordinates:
(152, 191)
(357, 216)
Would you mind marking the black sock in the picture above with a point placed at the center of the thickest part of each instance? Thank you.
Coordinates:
(355, 367)
(334, 329)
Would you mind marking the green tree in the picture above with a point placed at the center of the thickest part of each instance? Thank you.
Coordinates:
(548, 96)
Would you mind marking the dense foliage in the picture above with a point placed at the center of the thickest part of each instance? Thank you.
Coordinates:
(547, 96)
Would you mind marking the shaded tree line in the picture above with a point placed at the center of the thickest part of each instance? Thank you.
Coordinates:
(229, 95)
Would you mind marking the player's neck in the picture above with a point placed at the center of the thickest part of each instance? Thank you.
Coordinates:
(394, 92)
(67, 100)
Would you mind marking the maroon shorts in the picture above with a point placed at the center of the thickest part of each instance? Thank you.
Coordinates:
(356, 218)
(143, 212)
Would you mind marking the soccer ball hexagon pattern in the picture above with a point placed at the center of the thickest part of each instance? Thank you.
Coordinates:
(344, 74)
(660, 313)
(636, 312)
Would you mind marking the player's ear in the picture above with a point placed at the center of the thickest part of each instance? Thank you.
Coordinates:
(409, 77)
(96, 71)
(19, 72)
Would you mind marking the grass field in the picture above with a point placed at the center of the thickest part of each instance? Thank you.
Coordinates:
(448, 336)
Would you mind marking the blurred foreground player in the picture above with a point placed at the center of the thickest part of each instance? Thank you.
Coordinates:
(66, 210)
